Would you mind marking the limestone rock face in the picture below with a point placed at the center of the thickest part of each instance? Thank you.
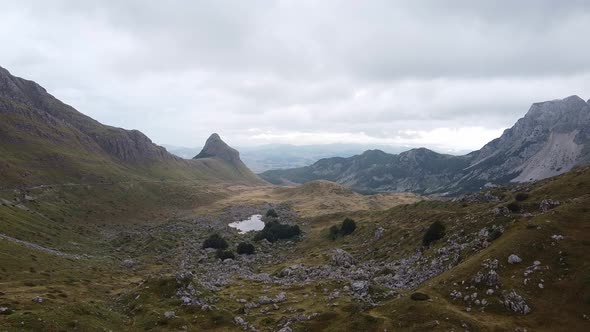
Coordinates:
(551, 139)
(130, 146)
(216, 147)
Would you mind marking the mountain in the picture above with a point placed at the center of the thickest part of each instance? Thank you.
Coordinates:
(45, 141)
(552, 138)
(282, 156)
(215, 147)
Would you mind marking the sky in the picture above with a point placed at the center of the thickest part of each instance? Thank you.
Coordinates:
(448, 75)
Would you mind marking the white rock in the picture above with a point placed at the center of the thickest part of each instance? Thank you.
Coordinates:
(513, 259)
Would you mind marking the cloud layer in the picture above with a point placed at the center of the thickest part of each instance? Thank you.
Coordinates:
(447, 77)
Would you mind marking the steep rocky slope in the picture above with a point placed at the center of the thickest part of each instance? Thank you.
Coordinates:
(552, 138)
(44, 141)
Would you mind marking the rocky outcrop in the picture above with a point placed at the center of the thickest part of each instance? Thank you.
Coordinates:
(29, 98)
(215, 147)
(551, 139)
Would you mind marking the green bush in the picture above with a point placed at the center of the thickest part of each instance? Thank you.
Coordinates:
(514, 207)
(245, 248)
(215, 241)
(272, 213)
(274, 231)
(334, 230)
(348, 226)
(224, 254)
(436, 231)
(494, 234)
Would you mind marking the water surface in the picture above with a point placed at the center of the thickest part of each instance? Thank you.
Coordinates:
(254, 223)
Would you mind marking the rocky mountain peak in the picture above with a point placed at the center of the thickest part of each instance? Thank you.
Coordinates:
(126, 145)
(563, 113)
(20, 90)
(215, 147)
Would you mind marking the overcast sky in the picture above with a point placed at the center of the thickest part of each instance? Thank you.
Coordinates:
(448, 75)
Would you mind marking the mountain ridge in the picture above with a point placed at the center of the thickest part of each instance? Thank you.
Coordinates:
(45, 140)
(552, 138)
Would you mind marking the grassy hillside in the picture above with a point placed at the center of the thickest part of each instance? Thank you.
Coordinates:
(161, 228)
(44, 141)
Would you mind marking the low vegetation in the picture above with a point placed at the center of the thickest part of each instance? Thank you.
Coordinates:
(225, 254)
(245, 248)
(347, 227)
(215, 241)
(435, 232)
(274, 231)
(271, 213)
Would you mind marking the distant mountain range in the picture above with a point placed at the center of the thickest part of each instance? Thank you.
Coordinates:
(44, 141)
(282, 156)
(552, 138)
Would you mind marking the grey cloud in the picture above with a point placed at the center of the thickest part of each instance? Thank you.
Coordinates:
(179, 70)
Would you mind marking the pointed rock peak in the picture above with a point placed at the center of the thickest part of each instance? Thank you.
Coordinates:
(215, 147)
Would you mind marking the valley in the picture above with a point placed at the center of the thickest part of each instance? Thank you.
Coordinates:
(103, 230)
(150, 272)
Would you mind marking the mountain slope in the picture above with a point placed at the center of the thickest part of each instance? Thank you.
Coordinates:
(551, 139)
(45, 141)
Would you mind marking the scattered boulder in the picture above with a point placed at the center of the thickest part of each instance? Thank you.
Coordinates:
(128, 263)
(264, 300)
(282, 297)
(360, 286)
(38, 299)
(419, 296)
(333, 295)
(515, 303)
(379, 233)
(5, 311)
(514, 259)
(240, 321)
(548, 204)
(342, 258)
(169, 314)
(501, 211)
(557, 237)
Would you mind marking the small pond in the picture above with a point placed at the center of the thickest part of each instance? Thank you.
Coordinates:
(254, 223)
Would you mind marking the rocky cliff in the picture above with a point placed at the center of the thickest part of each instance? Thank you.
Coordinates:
(551, 139)
(215, 147)
(126, 145)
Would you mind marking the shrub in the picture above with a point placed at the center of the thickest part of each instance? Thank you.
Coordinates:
(521, 197)
(274, 231)
(494, 234)
(215, 241)
(419, 296)
(348, 226)
(334, 230)
(514, 207)
(272, 213)
(436, 231)
(245, 248)
(224, 254)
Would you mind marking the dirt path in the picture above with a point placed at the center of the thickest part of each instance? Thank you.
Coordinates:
(39, 247)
